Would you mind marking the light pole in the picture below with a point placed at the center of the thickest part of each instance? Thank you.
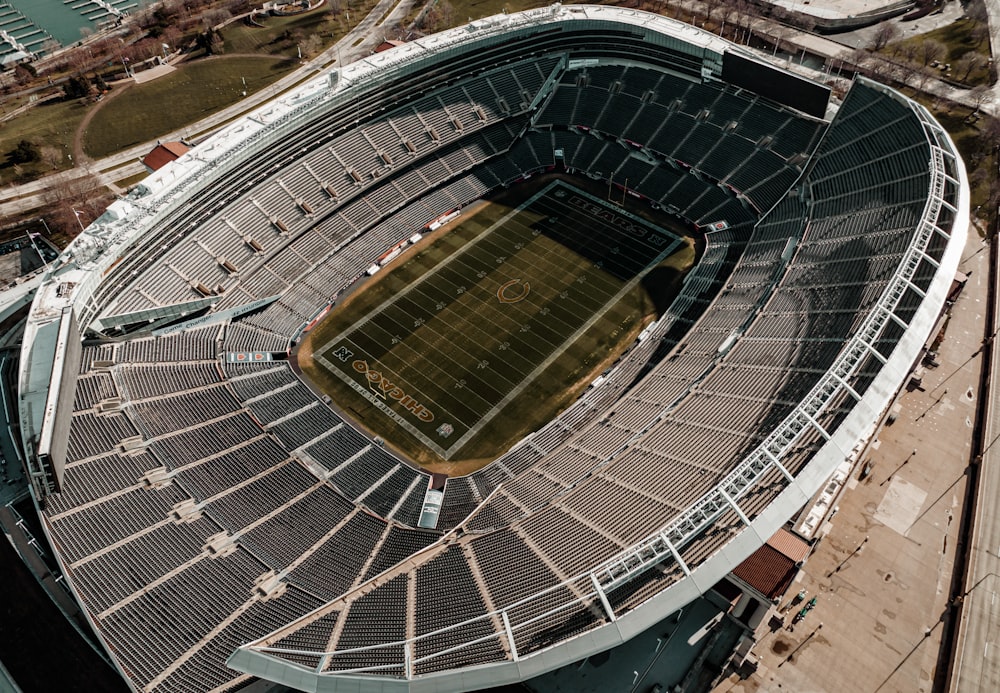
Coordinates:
(77, 215)
(124, 60)
(31, 239)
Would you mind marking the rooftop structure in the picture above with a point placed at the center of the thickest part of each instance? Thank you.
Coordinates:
(162, 154)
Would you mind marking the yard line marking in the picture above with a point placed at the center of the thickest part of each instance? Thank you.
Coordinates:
(434, 336)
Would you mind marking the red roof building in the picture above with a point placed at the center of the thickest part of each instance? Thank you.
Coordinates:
(790, 545)
(386, 45)
(768, 571)
(771, 568)
(163, 154)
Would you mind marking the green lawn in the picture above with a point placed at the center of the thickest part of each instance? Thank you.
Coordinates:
(194, 91)
(483, 335)
(957, 37)
(281, 36)
(975, 152)
(50, 124)
(126, 183)
(464, 9)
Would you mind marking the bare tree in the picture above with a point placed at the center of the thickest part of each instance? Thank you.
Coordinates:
(216, 17)
(171, 36)
(710, 7)
(312, 45)
(79, 59)
(982, 181)
(104, 47)
(930, 50)
(216, 44)
(993, 198)
(73, 196)
(861, 59)
(989, 129)
(396, 32)
(447, 13)
(893, 71)
(981, 95)
(967, 64)
(961, 68)
(23, 75)
(50, 46)
(909, 50)
(976, 11)
(52, 156)
(727, 12)
(979, 177)
(881, 69)
(745, 14)
(906, 70)
(776, 34)
(439, 17)
(884, 34)
(920, 75)
(980, 33)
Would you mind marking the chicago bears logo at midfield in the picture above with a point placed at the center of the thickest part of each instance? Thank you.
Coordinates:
(386, 389)
(513, 291)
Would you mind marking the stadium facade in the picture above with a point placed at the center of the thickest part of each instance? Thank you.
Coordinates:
(217, 521)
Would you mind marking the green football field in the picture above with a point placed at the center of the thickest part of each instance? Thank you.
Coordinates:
(508, 304)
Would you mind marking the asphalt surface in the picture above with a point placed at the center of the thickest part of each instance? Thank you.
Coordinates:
(976, 662)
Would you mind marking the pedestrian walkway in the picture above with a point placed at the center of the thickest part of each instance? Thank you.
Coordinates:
(153, 73)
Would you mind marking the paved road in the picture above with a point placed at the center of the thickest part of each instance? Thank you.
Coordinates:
(358, 42)
(977, 653)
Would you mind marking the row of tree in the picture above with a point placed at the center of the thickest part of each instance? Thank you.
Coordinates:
(173, 23)
(67, 193)
(72, 200)
(922, 54)
(27, 158)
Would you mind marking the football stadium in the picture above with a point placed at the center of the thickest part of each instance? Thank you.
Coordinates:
(220, 517)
